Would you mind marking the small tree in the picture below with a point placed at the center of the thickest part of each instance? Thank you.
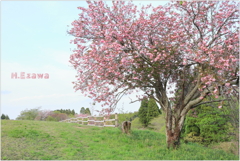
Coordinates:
(7, 117)
(3, 117)
(73, 112)
(68, 111)
(143, 113)
(29, 114)
(43, 114)
(82, 111)
(87, 111)
(153, 108)
(62, 116)
(147, 111)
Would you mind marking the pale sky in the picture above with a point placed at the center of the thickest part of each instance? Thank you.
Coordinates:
(34, 39)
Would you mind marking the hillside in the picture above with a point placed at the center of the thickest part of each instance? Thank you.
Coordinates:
(156, 124)
(34, 140)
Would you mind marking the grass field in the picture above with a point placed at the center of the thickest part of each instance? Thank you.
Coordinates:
(158, 124)
(42, 140)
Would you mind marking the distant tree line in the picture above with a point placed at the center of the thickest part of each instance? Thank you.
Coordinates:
(5, 117)
(67, 111)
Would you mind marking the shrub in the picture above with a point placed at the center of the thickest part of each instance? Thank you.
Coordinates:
(29, 114)
(193, 137)
(206, 125)
(50, 118)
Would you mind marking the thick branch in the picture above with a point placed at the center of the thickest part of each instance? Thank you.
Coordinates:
(191, 94)
(196, 101)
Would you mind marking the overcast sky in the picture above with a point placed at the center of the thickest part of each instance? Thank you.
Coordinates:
(34, 40)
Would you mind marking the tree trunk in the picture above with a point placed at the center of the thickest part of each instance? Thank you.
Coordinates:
(174, 124)
(173, 138)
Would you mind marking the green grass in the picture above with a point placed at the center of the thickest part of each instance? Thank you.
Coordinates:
(156, 124)
(42, 140)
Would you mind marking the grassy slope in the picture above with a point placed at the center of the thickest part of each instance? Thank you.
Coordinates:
(158, 125)
(64, 141)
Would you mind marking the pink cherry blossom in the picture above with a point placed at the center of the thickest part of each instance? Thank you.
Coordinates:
(227, 84)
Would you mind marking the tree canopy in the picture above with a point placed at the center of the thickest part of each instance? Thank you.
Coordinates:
(132, 49)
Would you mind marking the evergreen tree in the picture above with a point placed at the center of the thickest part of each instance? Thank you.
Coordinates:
(87, 111)
(7, 118)
(73, 112)
(148, 110)
(143, 113)
(3, 117)
(68, 111)
(82, 111)
(153, 110)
